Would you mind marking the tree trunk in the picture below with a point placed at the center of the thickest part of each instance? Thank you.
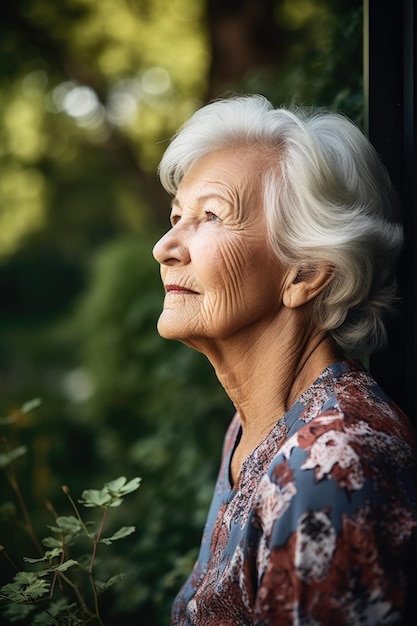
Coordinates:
(244, 35)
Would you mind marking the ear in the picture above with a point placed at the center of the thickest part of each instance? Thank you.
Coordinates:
(304, 284)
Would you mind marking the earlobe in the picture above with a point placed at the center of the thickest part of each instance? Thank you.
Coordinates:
(304, 284)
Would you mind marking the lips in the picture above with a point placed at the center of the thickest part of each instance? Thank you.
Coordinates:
(178, 289)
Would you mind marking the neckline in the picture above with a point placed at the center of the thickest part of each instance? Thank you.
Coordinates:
(287, 420)
(238, 483)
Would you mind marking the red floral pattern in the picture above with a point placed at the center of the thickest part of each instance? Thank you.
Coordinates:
(321, 526)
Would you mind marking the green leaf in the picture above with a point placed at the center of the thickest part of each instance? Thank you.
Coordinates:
(26, 408)
(67, 525)
(8, 457)
(112, 581)
(115, 502)
(17, 612)
(120, 487)
(110, 495)
(66, 565)
(67, 614)
(120, 534)
(51, 542)
(30, 405)
(48, 556)
(95, 497)
(5, 421)
(27, 586)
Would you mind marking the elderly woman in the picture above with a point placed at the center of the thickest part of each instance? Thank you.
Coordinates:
(279, 263)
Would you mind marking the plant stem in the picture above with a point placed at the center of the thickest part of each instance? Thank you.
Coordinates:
(90, 570)
(51, 617)
(93, 555)
(76, 511)
(9, 559)
(11, 474)
(97, 539)
(77, 592)
(56, 573)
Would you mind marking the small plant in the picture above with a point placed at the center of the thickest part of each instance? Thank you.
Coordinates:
(60, 587)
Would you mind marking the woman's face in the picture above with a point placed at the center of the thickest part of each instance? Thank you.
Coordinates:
(221, 278)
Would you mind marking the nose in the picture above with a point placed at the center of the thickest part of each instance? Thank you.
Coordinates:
(171, 249)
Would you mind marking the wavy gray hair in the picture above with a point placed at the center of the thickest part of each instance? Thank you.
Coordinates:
(327, 197)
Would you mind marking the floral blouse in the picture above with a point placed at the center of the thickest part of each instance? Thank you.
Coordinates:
(321, 524)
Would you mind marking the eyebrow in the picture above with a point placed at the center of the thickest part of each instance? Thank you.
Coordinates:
(203, 199)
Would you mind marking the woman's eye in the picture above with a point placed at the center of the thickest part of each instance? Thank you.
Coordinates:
(212, 217)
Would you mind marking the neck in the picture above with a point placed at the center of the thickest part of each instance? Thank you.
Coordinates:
(264, 370)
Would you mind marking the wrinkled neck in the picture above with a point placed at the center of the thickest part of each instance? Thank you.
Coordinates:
(265, 369)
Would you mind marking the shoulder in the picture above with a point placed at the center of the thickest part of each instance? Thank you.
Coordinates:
(356, 455)
(346, 406)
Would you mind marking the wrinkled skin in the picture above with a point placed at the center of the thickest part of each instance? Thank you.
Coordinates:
(217, 250)
(228, 296)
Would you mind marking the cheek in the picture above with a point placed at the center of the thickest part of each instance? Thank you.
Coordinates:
(235, 267)
(221, 265)
(253, 277)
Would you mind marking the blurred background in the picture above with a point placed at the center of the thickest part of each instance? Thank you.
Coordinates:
(90, 93)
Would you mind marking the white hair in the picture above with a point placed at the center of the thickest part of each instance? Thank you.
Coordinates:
(327, 198)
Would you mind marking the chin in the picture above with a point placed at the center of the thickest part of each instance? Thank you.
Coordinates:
(170, 330)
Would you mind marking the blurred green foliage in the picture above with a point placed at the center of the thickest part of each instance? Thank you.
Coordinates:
(323, 65)
(55, 588)
(89, 94)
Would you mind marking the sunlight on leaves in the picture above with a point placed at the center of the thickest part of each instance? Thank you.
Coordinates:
(120, 487)
(110, 495)
(22, 196)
